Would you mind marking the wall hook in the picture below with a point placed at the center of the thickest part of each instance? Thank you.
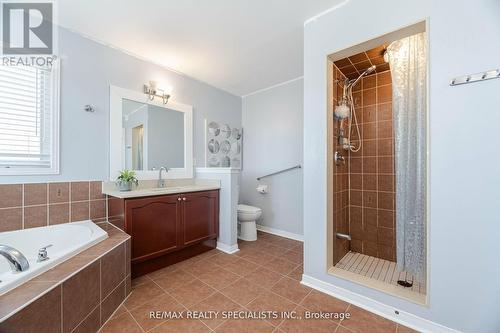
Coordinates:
(89, 108)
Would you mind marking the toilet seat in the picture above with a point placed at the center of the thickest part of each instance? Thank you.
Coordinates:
(248, 209)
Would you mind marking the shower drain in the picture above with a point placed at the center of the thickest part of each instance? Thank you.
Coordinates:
(404, 283)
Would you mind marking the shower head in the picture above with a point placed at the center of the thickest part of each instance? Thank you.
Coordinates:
(370, 70)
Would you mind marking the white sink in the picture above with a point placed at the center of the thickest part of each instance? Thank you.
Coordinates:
(163, 189)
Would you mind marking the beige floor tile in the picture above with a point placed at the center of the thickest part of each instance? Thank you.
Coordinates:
(307, 325)
(219, 303)
(141, 294)
(161, 303)
(404, 329)
(291, 289)
(218, 279)
(295, 257)
(317, 301)
(182, 326)
(258, 257)
(223, 259)
(192, 293)
(281, 266)
(121, 324)
(245, 326)
(286, 243)
(241, 267)
(268, 301)
(264, 277)
(243, 291)
(200, 267)
(165, 270)
(274, 250)
(296, 274)
(173, 280)
(140, 280)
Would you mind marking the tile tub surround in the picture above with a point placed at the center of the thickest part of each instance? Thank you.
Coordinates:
(24, 206)
(79, 294)
(263, 275)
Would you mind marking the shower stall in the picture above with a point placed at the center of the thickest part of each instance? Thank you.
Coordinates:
(378, 169)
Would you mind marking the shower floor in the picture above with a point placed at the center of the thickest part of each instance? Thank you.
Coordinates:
(378, 269)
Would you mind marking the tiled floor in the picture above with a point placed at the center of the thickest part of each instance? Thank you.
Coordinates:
(378, 269)
(263, 276)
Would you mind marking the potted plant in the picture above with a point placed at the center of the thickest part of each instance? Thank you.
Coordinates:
(126, 179)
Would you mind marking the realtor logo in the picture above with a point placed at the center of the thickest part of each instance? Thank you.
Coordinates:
(27, 28)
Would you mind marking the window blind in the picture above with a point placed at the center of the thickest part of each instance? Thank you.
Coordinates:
(25, 117)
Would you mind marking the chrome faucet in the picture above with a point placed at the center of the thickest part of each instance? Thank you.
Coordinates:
(17, 261)
(161, 182)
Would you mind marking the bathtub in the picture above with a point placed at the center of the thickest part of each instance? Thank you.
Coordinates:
(66, 240)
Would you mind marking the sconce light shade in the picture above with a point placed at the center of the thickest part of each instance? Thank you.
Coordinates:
(152, 90)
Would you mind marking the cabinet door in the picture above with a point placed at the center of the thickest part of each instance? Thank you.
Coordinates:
(154, 226)
(200, 216)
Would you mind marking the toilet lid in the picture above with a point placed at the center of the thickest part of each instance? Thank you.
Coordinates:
(248, 209)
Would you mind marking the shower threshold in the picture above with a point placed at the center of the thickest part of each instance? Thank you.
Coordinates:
(378, 274)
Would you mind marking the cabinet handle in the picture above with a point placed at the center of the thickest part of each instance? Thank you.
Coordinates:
(183, 199)
(178, 199)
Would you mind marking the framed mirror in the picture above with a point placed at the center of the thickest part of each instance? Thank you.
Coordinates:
(146, 135)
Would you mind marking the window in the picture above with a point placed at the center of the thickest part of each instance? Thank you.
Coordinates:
(29, 120)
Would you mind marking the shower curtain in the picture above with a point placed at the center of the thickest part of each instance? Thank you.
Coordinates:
(408, 63)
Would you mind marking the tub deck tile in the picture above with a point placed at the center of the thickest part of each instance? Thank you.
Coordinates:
(18, 299)
(20, 296)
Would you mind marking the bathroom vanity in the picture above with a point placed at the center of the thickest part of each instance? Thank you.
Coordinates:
(168, 225)
(170, 216)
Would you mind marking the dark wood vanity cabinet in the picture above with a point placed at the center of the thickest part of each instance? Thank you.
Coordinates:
(167, 229)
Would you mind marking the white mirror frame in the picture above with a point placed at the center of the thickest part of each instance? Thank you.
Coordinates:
(116, 151)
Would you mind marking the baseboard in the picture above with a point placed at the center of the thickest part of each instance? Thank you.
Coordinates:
(281, 233)
(389, 312)
(229, 249)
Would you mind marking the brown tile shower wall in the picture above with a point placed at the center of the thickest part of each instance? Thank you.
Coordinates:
(372, 197)
(340, 186)
(24, 206)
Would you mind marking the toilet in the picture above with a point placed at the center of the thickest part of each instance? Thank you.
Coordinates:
(247, 215)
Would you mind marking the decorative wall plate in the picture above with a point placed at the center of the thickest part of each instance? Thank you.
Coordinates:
(213, 128)
(213, 146)
(223, 145)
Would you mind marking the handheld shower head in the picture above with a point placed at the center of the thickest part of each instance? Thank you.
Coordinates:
(369, 70)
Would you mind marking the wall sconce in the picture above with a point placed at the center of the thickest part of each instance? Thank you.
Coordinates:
(153, 90)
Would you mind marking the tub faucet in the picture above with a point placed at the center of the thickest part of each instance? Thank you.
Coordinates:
(17, 261)
(161, 182)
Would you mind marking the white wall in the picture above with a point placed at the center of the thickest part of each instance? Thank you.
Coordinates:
(87, 70)
(464, 155)
(272, 140)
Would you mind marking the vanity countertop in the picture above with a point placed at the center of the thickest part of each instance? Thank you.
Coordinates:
(149, 188)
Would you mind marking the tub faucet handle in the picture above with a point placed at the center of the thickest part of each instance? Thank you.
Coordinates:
(42, 253)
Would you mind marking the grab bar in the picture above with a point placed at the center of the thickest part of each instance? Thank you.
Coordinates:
(298, 166)
(343, 236)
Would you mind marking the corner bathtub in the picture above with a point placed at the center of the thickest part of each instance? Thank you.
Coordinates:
(66, 240)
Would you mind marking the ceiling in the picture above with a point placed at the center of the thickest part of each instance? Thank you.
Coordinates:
(237, 45)
(354, 65)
